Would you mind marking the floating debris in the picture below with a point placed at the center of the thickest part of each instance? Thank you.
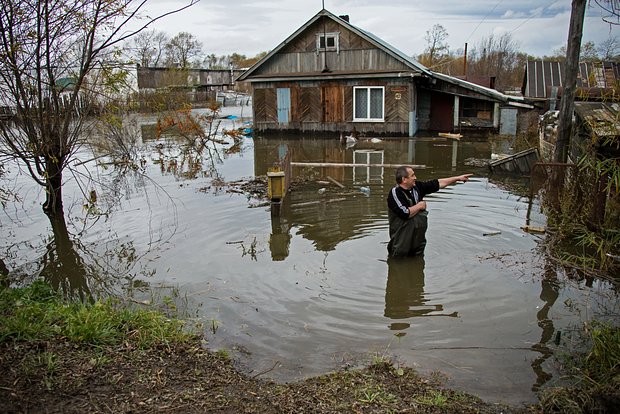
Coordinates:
(492, 233)
(476, 162)
(533, 229)
(365, 190)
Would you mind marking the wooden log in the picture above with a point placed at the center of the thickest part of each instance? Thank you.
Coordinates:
(450, 135)
(335, 182)
(533, 229)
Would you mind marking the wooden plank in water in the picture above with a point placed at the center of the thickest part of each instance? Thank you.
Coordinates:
(335, 182)
(450, 135)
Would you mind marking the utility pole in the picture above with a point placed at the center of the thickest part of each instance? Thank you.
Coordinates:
(571, 68)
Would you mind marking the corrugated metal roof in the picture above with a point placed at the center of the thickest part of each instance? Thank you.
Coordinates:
(542, 76)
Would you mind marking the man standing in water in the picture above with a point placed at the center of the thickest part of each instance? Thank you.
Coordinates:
(407, 211)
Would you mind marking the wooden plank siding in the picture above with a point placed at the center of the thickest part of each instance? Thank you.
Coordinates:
(328, 106)
(355, 54)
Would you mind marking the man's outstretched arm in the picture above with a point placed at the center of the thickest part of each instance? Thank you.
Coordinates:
(444, 182)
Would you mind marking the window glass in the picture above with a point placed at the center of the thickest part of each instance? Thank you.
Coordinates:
(361, 103)
(376, 103)
(327, 41)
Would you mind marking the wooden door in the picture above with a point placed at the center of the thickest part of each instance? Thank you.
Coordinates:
(332, 99)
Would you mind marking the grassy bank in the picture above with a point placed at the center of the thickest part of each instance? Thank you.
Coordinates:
(106, 357)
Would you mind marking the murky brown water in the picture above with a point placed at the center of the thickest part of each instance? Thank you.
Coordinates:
(309, 290)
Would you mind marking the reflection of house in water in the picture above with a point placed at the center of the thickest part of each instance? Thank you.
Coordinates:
(370, 173)
(333, 215)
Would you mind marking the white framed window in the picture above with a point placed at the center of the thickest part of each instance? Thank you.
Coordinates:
(327, 41)
(368, 103)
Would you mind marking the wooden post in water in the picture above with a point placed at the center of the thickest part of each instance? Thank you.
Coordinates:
(276, 184)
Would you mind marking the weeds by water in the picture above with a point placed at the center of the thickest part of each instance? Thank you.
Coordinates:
(37, 313)
(582, 236)
(593, 375)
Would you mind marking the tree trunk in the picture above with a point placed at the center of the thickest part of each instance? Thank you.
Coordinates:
(53, 188)
(63, 268)
(565, 118)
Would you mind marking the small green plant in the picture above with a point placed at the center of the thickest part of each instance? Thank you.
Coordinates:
(99, 360)
(433, 398)
(381, 359)
(214, 326)
(374, 394)
(49, 360)
(223, 353)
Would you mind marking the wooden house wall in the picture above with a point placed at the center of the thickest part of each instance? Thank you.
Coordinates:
(355, 54)
(328, 106)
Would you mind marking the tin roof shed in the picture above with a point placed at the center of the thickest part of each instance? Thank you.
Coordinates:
(595, 79)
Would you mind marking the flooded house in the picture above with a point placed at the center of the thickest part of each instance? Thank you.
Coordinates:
(332, 76)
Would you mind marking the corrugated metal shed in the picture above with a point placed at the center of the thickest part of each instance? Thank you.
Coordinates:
(541, 76)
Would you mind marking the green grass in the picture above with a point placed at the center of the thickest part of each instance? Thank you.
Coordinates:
(37, 313)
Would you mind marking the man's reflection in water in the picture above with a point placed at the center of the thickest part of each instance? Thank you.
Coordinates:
(404, 293)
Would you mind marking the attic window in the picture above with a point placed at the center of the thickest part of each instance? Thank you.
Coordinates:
(327, 41)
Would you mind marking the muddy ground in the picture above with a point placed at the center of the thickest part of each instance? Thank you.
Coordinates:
(65, 378)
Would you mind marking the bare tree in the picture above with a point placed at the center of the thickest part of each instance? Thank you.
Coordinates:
(436, 45)
(609, 48)
(182, 49)
(210, 61)
(52, 55)
(496, 56)
(589, 52)
(147, 48)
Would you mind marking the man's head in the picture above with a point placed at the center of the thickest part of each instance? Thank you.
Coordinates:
(405, 177)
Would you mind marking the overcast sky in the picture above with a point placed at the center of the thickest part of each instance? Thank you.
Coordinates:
(249, 27)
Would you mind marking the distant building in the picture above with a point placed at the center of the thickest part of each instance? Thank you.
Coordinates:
(201, 84)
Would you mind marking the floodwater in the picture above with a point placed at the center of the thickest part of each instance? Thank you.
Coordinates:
(307, 289)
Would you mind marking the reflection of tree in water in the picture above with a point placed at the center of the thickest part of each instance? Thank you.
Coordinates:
(197, 145)
(87, 272)
(404, 292)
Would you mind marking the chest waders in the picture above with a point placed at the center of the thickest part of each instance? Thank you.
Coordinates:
(407, 237)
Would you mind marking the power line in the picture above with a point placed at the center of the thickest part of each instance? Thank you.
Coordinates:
(483, 19)
(531, 17)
